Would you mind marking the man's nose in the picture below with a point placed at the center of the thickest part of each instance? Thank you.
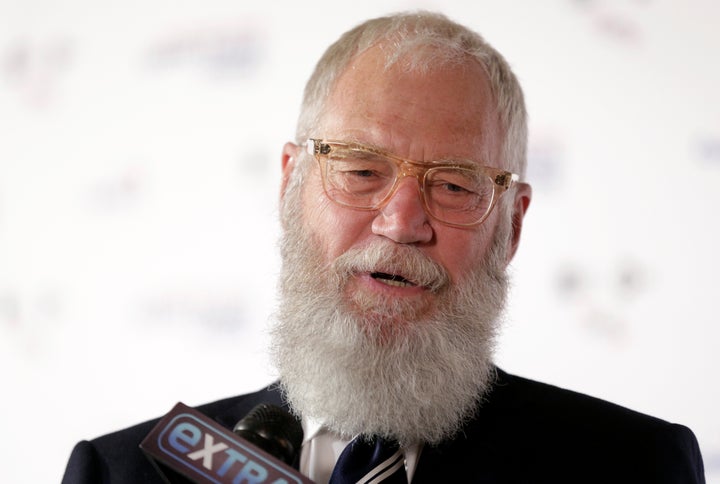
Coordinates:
(403, 218)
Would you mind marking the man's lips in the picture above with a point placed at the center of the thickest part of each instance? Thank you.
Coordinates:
(392, 279)
(387, 265)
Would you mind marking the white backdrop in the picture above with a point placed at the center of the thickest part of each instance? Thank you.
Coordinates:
(139, 166)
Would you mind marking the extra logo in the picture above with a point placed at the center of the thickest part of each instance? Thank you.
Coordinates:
(191, 444)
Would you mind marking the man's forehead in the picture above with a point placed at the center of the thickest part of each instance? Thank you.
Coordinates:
(419, 114)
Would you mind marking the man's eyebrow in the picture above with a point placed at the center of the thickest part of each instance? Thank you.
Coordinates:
(452, 160)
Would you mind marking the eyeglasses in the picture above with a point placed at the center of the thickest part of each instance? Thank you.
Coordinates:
(457, 193)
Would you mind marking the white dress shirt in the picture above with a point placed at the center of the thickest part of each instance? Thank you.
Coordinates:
(321, 449)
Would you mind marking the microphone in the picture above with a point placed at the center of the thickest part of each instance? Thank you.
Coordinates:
(273, 430)
(188, 447)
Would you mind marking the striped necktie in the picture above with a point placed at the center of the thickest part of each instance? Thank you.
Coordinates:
(370, 461)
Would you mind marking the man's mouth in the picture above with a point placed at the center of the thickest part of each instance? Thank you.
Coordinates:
(392, 279)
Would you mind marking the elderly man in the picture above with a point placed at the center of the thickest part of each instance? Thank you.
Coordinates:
(402, 205)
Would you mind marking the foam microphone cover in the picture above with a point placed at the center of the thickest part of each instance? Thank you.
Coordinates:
(274, 430)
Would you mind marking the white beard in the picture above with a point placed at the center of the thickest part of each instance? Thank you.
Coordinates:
(351, 365)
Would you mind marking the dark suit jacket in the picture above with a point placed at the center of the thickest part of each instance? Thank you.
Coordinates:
(525, 432)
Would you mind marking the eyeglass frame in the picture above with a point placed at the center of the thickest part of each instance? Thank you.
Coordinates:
(502, 180)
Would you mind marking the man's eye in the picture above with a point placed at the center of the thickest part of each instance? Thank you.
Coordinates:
(451, 187)
(362, 168)
(362, 173)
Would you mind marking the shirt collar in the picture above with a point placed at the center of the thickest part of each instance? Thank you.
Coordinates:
(311, 428)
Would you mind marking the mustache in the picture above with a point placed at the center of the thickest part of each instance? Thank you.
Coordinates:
(402, 261)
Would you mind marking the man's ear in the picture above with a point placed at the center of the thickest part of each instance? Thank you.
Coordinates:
(523, 194)
(289, 157)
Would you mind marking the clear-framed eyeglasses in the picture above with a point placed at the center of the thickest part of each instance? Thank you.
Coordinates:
(457, 193)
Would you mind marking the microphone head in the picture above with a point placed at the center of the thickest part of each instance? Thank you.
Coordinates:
(274, 430)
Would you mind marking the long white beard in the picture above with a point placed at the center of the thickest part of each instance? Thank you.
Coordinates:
(414, 382)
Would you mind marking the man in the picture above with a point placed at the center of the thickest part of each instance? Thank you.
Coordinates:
(401, 208)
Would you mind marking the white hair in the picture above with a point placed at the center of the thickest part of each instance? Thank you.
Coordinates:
(422, 41)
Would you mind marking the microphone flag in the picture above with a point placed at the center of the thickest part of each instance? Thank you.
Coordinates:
(187, 446)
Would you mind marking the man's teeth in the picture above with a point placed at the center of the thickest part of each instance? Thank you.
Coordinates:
(392, 280)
